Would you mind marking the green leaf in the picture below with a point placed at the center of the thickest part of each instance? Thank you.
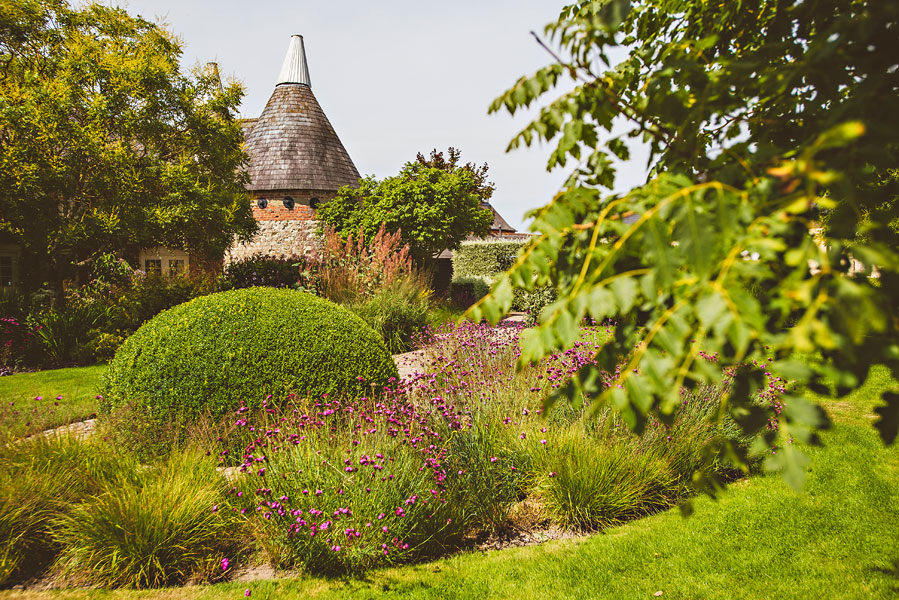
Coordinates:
(710, 308)
(840, 135)
(791, 463)
(800, 411)
(625, 291)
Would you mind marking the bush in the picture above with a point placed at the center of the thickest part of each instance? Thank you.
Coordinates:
(465, 291)
(533, 302)
(210, 354)
(397, 312)
(313, 511)
(485, 258)
(267, 271)
(64, 330)
(160, 527)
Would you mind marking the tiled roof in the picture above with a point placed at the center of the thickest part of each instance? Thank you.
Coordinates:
(499, 223)
(292, 145)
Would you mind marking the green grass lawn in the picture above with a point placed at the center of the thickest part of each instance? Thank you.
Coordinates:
(78, 388)
(837, 539)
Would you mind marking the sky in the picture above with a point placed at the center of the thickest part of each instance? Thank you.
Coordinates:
(394, 77)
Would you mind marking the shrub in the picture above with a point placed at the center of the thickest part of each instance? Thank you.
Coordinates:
(64, 330)
(165, 525)
(398, 312)
(100, 346)
(208, 355)
(149, 294)
(485, 258)
(533, 302)
(596, 483)
(19, 345)
(491, 472)
(268, 271)
(465, 291)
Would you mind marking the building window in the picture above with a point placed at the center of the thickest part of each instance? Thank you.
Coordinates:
(153, 266)
(176, 266)
(6, 274)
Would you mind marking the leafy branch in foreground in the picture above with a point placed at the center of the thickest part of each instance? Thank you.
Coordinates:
(767, 122)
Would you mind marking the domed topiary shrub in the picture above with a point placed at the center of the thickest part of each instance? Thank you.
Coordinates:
(215, 351)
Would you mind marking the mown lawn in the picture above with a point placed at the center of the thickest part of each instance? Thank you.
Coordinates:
(77, 386)
(838, 539)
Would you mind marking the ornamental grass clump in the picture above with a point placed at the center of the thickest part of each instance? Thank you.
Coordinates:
(398, 311)
(42, 478)
(162, 525)
(592, 482)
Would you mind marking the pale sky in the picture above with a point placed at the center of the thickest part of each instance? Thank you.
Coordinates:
(394, 77)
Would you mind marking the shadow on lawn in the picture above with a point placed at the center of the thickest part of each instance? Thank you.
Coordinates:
(892, 572)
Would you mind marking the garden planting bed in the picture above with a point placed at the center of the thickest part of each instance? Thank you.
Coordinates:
(457, 455)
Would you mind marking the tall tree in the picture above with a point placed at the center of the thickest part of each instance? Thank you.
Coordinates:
(764, 119)
(106, 146)
(435, 202)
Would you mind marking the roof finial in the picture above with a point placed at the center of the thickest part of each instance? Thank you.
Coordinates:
(212, 70)
(295, 69)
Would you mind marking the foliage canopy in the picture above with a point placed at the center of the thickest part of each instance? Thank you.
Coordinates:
(105, 146)
(764, 119)
(435, 202)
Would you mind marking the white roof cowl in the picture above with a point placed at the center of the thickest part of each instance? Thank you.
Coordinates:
(295, 69)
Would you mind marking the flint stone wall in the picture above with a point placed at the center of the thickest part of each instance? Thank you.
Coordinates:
(282, 231)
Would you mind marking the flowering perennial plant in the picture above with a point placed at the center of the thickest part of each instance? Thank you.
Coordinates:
(338, 485)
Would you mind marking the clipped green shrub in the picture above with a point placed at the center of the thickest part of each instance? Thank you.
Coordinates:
(210, 354)
(485, 258)
(465, 291)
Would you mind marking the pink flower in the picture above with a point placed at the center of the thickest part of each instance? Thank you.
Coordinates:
(247, 592)
(225, 564)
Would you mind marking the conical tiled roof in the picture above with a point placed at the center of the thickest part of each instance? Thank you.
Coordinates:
(292, 145)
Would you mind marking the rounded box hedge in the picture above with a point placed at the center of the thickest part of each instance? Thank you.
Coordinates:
(216, 351)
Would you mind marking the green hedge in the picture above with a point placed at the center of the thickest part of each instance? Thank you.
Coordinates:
(213, 352)
(465, 291)
(485, 259)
